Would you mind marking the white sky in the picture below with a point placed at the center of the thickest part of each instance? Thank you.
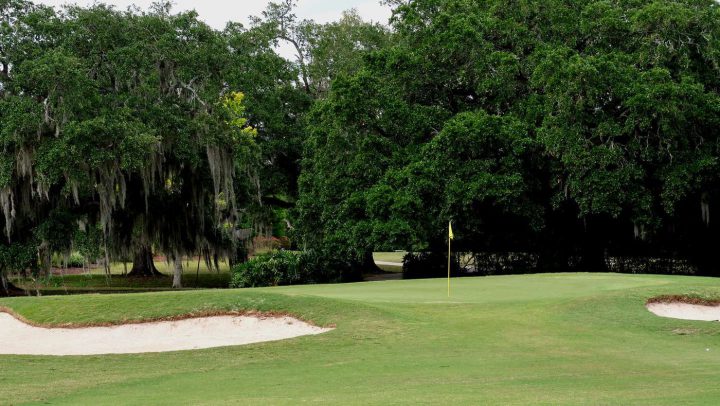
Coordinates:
(217, 12)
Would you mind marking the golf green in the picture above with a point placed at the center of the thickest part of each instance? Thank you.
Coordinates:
(527, 339)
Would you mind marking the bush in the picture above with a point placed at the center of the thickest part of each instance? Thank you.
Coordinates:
(291, 268)
(74, 260)
(272, 269)
(326, 268)
(503, 263)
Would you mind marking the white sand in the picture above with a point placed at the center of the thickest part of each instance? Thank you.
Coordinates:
(685, 311)
(19, 338)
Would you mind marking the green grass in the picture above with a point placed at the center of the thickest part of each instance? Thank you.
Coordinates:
(533, 339)
(389, 256)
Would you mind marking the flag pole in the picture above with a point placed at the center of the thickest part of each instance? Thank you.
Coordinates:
(449, 239)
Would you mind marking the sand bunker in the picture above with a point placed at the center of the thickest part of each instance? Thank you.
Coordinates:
(685, 311)
(19, 338)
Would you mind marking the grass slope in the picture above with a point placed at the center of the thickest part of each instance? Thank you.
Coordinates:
(534, 339)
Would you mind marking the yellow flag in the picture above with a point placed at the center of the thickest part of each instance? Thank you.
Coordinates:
(450, 233)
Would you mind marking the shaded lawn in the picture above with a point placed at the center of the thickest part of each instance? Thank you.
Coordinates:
(96, 283)
(528, 339)
(389, 256)
(94, 280)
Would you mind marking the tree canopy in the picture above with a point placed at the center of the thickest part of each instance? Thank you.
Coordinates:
(129, 123)
(564, 128)
(571, 131)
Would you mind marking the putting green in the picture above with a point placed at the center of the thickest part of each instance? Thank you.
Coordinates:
(532, 339)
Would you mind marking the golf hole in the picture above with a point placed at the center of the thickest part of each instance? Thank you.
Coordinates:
(20, 338)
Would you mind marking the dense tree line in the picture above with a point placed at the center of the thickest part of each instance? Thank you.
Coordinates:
(565, 133)
(573, 131)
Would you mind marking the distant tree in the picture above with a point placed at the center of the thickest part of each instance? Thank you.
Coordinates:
(275, 107)
(323, 53)
(354, 136)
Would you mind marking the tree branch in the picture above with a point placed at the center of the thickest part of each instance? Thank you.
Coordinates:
(301, 60)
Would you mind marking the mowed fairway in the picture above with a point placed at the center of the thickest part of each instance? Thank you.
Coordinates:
(532, 339)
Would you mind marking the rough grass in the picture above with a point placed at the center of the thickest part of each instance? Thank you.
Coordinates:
(531, 339)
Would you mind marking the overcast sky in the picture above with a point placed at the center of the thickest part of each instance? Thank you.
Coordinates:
(218, 12)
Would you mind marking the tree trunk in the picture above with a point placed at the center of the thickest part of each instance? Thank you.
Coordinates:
(4, 285)
(7, 288)
(177, 272)
(143, 265)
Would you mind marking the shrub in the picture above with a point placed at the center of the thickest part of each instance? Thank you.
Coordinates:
(502, 263)
(326, 268)
(272, 269)
(74, 260)
(291, 268)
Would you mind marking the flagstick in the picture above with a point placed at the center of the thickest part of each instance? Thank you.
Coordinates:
(448, 265)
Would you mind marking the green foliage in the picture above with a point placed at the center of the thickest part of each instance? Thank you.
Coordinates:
(72, 260)
(562, 128)
(17, 257)
(273, 269)
(121, 120)
(292, 268)
(89, 243)
(234, 108)
(473, 171)
(328, 267)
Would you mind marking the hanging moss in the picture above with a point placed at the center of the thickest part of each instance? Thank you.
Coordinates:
(8, 207)
(705, 209)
